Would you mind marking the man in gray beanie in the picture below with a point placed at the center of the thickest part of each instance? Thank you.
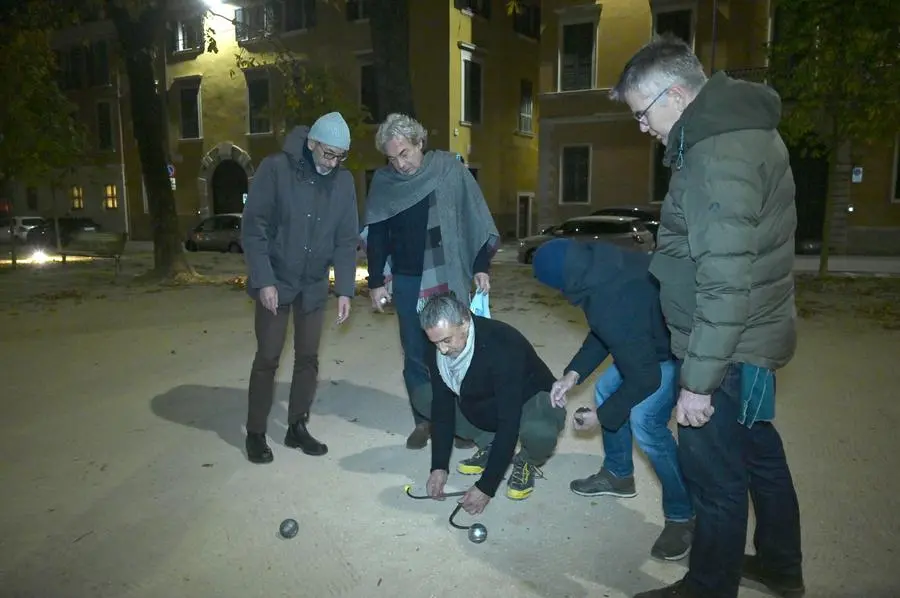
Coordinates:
(300, 219)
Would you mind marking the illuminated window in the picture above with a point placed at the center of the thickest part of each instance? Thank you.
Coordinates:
(111, 197)
(77, 198)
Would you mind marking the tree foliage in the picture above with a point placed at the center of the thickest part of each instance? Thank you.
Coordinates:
(39, 133)
(836, 65)
(309, 90)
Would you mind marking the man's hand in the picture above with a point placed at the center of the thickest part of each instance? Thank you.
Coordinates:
(585, 419)
(268, 296)
(692, 409)
(561, 387)
(435, 485)
(380, 297)
(343, 310)
(474, 501)
(483, 282)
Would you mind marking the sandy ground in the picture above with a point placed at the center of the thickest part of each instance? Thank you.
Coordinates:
(123, 473)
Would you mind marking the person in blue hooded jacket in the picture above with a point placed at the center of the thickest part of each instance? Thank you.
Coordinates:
(636, 394)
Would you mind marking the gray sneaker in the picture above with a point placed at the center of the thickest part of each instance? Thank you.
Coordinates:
(603, 483)
(674, 543)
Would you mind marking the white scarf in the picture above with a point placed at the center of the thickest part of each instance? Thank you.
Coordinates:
(453, 369)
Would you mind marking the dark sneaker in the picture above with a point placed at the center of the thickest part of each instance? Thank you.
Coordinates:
(604, 483)
(679, 589)
(785, 586)
(299, 437)
(419, 437)
(674, 543)
(475, 464)
(521, 480)
(258, 450)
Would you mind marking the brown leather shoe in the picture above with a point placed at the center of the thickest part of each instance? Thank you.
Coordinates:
(419, 437)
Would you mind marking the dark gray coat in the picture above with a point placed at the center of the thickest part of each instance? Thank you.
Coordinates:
(297, 224)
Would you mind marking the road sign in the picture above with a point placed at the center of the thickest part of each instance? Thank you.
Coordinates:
(171, 169)
(172, 182)
(857, 174)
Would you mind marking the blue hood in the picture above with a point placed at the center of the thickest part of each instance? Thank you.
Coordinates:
(599, 269)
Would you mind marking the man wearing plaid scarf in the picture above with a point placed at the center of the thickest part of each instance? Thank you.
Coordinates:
(428, 220)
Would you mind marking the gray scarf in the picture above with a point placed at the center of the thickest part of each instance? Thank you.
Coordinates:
(453, 369)
(465, 222)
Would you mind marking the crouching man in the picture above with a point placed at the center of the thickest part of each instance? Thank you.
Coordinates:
(635, 395)
(488, 386)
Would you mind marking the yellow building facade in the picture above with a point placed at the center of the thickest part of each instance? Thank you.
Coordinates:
(592, 153)
(474, 75)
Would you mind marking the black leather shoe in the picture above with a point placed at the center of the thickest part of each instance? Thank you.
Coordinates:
(784, 586)
(299, 437)
(258, 450)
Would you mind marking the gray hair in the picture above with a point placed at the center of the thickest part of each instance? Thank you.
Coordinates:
(444, 307)
(400, 125)
(663, 62)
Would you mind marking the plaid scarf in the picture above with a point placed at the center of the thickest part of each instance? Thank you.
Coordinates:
(434, 267)
(459, 222)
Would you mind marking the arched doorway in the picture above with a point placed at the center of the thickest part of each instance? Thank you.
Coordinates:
(229, 186)
(223, 201)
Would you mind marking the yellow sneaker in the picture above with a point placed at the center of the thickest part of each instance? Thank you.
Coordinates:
(475, 464)
(521, 480)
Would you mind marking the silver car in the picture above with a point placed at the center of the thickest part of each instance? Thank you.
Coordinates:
(18, 226)
(625, 231)
(221, 232)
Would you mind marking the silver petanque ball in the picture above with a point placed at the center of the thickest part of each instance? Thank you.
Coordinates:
(288, 528)
(477, 533)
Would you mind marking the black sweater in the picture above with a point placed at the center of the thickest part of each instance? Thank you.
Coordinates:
(621, 302)
(504, 374)
(402, 237)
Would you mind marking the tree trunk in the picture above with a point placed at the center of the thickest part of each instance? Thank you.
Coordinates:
(833, 160)
(138, 38)
(389, 25)
(6, 188)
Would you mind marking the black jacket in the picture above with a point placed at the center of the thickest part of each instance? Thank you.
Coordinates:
(504, 374)
(621, 302)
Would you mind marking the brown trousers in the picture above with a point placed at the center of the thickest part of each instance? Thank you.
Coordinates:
(271, 331)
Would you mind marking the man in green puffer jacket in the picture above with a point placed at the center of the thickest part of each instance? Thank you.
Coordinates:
(724, 262)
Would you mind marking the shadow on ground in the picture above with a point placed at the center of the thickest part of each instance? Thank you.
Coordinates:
(223, 410)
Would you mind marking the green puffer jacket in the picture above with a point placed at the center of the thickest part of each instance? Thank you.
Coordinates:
(725, 250)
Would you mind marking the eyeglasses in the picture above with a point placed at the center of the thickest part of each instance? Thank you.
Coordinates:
(640, 115)
(329, 155)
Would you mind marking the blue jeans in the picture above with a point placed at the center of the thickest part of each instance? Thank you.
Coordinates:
(412, 340)
(723, 461)
(648, 425)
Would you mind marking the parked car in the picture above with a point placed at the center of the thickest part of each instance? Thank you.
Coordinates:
(44, 234)
(648, 214)
(625, 231)
(221, 232)
(18, 227)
